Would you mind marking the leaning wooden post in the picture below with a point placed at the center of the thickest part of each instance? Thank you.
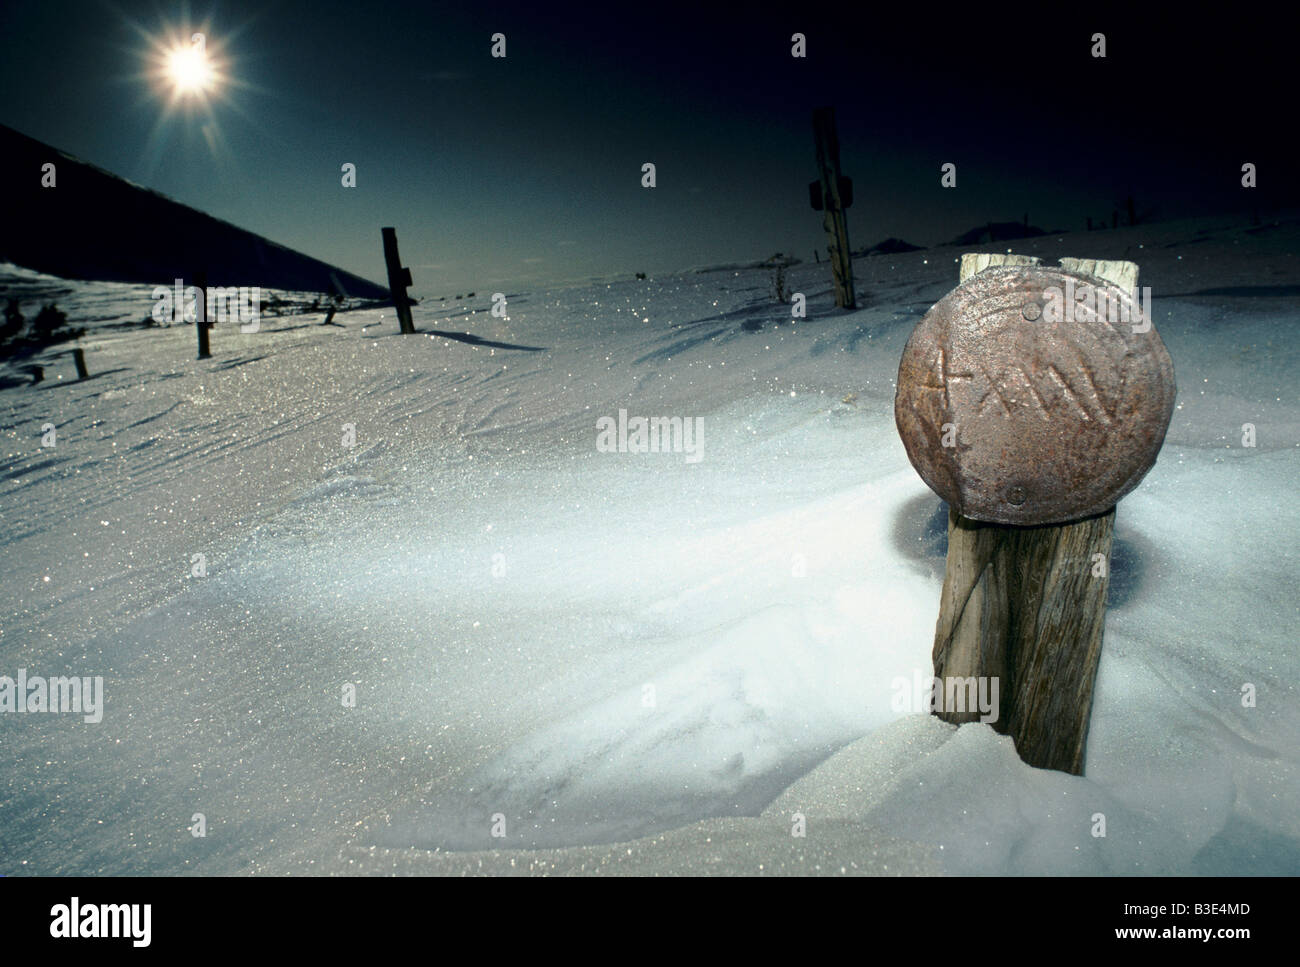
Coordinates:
(1032, 400)
(398, 279)
(833, 193)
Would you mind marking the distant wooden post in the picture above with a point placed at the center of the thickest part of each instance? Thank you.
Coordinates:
(398, 280)
(201, 313)
(79, 358)
(833, 193)
(1024, 606)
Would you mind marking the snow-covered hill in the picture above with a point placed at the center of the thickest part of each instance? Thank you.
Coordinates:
(627, 662)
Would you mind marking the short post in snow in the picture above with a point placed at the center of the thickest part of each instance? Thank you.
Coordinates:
(1031, 399)
(399, 278)
(201, 313)
(79, 359)
(832, 193)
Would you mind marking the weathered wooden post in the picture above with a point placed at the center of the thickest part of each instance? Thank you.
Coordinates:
(1032, 399)
(79, 359)
(201, 313)
(832, 193)
(399, 278)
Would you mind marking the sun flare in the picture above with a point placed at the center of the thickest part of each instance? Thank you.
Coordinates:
(189, 70)
(190, 74)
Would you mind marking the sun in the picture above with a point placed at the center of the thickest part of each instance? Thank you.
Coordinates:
(189, 70)
(186, 64)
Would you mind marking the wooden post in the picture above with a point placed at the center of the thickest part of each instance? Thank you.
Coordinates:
(398, 279)
(79, 358)
(201, 313)
(834, 221)
(1027, 605)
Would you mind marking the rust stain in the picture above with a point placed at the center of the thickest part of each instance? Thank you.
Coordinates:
(1101, 399)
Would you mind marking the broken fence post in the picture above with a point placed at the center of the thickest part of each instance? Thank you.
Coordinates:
(833, 193)
(1032, 418)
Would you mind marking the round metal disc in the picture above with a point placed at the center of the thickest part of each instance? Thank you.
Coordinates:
(1026, 397)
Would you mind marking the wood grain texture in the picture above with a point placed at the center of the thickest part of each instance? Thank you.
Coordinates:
(973, 262)
(1122, 274)
(1056, 607)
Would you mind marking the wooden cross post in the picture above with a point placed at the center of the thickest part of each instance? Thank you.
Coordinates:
(399, 278)
(1024, 605)
(832, 194)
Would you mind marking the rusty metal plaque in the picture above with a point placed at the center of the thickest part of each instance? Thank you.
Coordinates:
(1031, 395)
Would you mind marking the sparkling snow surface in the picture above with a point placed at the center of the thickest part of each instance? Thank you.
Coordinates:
(631, 662)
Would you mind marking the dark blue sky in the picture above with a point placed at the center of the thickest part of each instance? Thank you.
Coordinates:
(527, 169)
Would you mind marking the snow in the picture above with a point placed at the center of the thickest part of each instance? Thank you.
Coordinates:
(635, 663)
